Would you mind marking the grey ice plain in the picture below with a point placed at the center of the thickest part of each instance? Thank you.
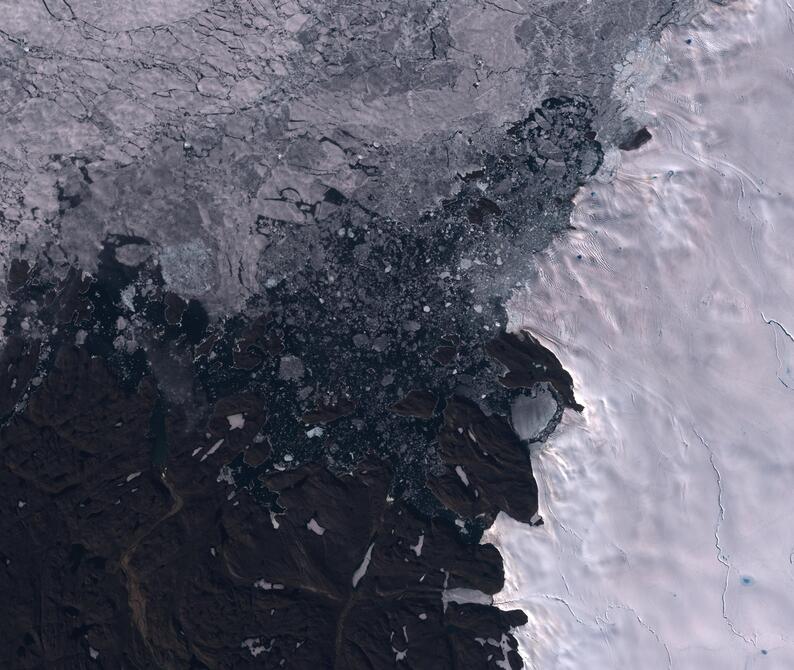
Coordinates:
(388, 103)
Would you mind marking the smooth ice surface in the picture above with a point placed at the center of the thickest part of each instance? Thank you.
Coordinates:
(531, 412)
(669, 539)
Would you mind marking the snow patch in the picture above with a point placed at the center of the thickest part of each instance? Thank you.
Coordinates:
(236, 421)
(212, 450)
(361, 570)
(226, 475)
(268, 586)
(462, 475)
(417, 548)
(254, 646)
(315, 527)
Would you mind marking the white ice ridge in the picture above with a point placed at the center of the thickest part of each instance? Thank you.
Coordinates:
(668, 540)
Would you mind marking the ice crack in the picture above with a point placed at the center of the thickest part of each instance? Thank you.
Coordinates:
(649, 628)
(784, 330)
(779, 325)
(721, 555)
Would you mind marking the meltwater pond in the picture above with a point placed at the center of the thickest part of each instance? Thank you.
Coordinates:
(668, 540)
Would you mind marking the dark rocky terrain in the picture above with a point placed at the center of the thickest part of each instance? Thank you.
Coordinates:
(127, 546)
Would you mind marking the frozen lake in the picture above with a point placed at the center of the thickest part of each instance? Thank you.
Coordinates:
(668, 539)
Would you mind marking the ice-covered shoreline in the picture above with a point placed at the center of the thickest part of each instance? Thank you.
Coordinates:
(667, 541)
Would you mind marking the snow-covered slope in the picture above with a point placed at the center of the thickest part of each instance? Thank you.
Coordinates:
(669, 539)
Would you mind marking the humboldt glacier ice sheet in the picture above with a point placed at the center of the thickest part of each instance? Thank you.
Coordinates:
(669, 541)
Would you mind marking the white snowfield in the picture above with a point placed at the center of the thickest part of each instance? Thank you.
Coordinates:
(669, 504)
